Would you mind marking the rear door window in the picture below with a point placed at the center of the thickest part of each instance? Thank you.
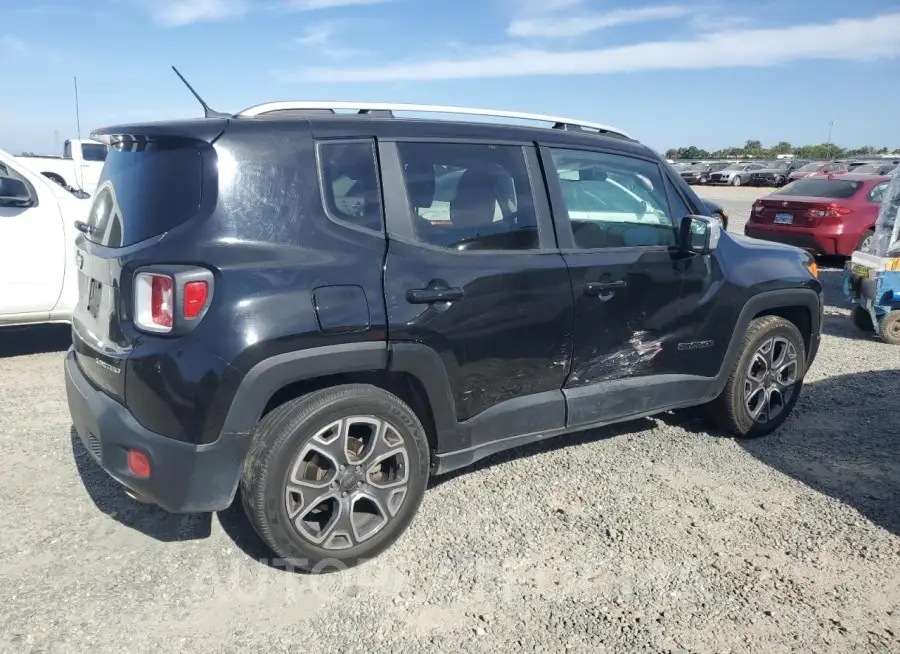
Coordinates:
(470, 196)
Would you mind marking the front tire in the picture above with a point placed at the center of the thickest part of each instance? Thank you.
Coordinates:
(765, 381)
(703, 180)
(889, 330)
(865, 240)
(335, 477)
(736, 180)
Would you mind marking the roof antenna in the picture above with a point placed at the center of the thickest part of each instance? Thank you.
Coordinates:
(207, 112)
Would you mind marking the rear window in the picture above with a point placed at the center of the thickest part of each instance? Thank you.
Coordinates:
(821, 188)
(93, 152)
(145, 189)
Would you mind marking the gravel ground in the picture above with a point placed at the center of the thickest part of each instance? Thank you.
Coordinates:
(652, 536)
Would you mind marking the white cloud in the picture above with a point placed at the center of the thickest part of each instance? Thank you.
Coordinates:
(14, 47)
(850, 39)
(176, 13)
(316, 35)
(582, 23)
(13, 44)
(311, 5)
(320, 39)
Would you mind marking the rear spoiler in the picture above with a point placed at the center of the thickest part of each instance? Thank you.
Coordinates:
(198, 129)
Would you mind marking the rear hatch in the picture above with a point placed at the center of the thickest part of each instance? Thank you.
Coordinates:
(806, 202)
(148, 186)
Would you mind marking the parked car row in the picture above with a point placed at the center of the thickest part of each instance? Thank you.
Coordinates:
(773, 173)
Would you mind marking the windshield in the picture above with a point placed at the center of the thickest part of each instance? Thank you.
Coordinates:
(734, 166)
(777, 165)
(886, 241)
(820, 188)
(808, 168)
(696, 168)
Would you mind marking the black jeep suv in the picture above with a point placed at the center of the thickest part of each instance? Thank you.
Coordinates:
(323, 308)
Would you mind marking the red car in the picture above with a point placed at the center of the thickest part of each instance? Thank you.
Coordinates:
(825, 215)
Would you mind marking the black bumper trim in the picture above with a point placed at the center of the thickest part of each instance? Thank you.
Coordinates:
(184, 478)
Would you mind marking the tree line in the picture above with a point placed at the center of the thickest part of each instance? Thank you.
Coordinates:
(756, 150)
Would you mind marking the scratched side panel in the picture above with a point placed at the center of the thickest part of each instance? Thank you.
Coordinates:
(631, 331)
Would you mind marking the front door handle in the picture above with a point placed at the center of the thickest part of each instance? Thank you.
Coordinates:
(602, 288)
(430, 295)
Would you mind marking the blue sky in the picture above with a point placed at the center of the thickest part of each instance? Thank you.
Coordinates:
(671, 72)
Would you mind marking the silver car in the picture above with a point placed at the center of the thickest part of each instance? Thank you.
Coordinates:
(735, 174)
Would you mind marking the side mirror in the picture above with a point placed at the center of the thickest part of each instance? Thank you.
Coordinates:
(14, 193)
(699, 234)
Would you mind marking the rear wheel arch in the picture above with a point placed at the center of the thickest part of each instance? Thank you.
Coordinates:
(413, 372)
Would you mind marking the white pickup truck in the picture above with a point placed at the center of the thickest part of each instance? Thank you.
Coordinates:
(38, 277)
(78, 168)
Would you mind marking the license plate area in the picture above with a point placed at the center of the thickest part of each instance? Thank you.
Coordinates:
(784, 218)
(94, 295)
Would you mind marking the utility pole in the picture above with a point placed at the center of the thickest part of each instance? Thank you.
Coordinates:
(830, 126)
(77, 114)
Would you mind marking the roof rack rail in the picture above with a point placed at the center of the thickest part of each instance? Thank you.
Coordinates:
(386, 109)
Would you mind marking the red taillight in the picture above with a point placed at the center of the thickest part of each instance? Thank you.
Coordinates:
(154, 300)
(832, 210)
(195, 294)
(161, 300)
(758, 207)
(138, 464)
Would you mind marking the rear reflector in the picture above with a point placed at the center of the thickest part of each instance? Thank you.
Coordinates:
(153, 302)
(194, 299)
(138, 464)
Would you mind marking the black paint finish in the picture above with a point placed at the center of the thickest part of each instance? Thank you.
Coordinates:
(507, 347)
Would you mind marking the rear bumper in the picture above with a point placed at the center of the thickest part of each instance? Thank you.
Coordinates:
(184, 478)
(823, 240)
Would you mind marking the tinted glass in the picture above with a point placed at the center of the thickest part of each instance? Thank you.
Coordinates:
(350, 183)
(821, 188)
(93, 152)
(809, 168)
(145, 190)
(614, 200)
(866, 169)
(470, 196)
(877, 193)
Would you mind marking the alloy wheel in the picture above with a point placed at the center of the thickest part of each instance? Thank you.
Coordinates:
(347, 482)
(770, 381)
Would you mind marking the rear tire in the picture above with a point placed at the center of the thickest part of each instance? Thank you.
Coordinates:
(861, 319)
(308, 485)
(769, 367)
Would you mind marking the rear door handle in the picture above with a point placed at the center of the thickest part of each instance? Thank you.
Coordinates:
(600, 288)
(430, 295)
